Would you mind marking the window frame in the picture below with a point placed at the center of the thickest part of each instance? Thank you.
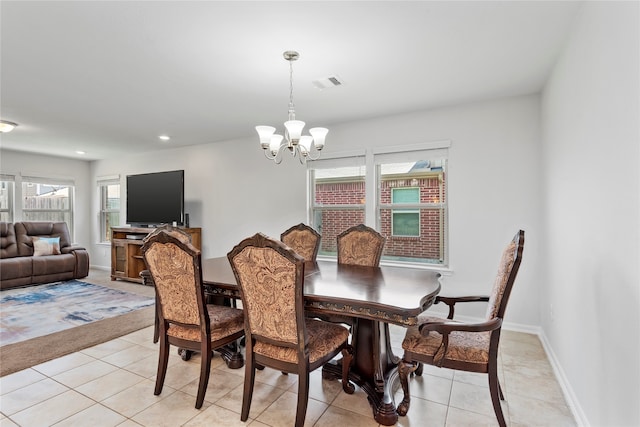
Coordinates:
(10, 180)
(105, 211)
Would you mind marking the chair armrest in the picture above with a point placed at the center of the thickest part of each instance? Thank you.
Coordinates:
(451, 301)
(447, 327)
(444, 328)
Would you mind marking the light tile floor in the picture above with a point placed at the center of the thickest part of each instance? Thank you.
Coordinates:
(112, 384)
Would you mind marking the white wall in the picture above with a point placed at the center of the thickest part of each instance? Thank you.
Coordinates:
(591, 159)
(493, 188)
(232, 191)
(25, 164)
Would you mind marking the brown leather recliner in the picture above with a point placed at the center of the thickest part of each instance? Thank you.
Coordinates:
(19, 266)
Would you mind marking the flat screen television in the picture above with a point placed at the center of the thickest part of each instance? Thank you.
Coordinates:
(156, 198)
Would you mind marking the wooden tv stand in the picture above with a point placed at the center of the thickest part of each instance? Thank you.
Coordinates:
(126, 253)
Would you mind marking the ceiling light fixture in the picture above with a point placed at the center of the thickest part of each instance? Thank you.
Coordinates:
(164, 137)
(6, 127)
(303, 146)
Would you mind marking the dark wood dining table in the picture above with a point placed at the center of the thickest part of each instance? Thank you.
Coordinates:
(372, 297)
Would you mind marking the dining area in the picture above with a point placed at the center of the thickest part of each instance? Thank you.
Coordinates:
(271, 304)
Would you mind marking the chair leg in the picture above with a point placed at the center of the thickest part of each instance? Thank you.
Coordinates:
(496, 393)
(347, 359)
(156, 323)
(405, 369)
(205, 370)
(303, 397)
(163, 361)
(249, 379)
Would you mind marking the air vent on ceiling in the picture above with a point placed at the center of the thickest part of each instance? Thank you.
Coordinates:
(328, 82)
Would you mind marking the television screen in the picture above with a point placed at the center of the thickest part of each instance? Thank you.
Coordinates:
(155, 198)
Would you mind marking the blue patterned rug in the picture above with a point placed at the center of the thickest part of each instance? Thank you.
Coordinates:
(40, 310)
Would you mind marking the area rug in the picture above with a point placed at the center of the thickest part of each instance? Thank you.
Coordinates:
(83, 314)
(40, 310)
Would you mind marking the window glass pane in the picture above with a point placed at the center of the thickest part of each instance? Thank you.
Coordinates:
(340, 186)
(45, 196)
(47, 202)
(339, 202)
(48, 216)
(110, 211)
(427, 248)
(331, 222)
(113, 196)
(6, 200)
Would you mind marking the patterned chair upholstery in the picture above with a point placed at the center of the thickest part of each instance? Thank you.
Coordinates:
(462, 346)
(360, 245)
(185, 320)
(271, 280)
(304, 240)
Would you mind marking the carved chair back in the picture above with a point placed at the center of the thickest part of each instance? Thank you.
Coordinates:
(304, 240)
(360, 245)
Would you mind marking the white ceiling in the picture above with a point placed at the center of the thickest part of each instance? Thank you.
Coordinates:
(109, 77)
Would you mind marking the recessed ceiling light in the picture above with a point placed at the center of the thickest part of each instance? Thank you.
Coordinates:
(164, 137)
(6, 126)
(81, 152)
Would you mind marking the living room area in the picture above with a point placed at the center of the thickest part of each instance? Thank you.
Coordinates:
(561, 161)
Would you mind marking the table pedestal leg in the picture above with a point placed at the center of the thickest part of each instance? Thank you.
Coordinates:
(230, 354)
(374, 368)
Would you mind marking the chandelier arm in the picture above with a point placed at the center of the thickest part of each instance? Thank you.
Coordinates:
(268, 155)
(310, 157)
(279, 156)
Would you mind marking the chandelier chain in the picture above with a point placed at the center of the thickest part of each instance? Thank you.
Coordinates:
(292, 108)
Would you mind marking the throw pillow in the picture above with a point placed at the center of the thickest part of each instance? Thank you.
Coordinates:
(46, 246)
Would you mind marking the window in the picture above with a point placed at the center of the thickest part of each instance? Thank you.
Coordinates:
(399, 192)
(416, 232)
(7, 184)
(46, 199)
(109, 207)
(405, 222)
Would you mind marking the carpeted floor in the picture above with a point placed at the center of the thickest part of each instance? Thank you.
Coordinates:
(23, 354)
(35, 311)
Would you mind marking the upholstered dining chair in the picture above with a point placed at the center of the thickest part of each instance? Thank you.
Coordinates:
(185, 320)
(360, 245)
(302, 239)
(270, 276)
(472, 347)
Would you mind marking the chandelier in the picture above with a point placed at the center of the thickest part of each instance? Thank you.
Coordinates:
(303, 146)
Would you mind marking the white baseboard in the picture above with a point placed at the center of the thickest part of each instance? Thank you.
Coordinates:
(100, 267)
(567, 390)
